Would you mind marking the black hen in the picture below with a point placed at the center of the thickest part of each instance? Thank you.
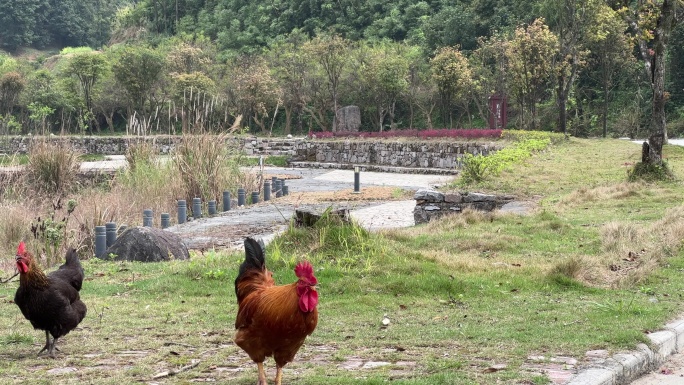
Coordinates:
(51, 302)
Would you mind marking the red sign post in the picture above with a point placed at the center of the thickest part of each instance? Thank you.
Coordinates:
(498, 112)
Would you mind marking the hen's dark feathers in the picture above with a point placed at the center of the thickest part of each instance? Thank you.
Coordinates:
(71, 271)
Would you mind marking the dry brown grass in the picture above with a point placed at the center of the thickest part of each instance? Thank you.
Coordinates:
(630, 252)
(52, 168)
(614, 191)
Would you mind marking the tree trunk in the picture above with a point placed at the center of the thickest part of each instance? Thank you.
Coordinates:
(658, 130)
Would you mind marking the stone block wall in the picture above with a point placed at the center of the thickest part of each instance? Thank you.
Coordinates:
(432, 154)
(428, 154)
(431, 204)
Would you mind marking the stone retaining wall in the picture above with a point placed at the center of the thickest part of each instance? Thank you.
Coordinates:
(428, 154)
(433, 154)
(432, 204)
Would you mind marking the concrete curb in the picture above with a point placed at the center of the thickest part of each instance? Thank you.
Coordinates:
(623, 368)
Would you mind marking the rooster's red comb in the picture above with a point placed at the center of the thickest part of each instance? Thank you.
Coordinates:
(21, 249)
(304, 270)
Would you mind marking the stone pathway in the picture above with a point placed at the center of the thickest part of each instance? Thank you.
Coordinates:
(266, 219)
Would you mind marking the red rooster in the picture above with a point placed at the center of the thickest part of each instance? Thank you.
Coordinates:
(51, 302)
(273, 320)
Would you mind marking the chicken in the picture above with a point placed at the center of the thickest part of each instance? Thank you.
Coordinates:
(51, 302)
(273, 320)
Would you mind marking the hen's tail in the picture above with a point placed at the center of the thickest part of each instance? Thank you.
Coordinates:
(253, 272)
(71, 271)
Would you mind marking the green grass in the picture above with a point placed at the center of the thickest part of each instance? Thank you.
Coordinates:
(270, 160)
(462, 294)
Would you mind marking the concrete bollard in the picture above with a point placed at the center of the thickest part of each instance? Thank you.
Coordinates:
(165, 220)
(267, 191)
(182, 211)
(197, 208)
(110, 230)
(241, 197)
(286, 190)
(255, 197)
(211, 207)
(357, 180)
(100, 241)
(147, 218)
(226, 200)
(279, 188)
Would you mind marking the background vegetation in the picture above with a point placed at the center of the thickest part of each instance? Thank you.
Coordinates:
(581, 67)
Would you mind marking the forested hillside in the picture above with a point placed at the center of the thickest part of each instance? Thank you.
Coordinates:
(586, 67)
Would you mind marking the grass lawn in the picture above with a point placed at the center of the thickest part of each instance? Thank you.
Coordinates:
(470, 298)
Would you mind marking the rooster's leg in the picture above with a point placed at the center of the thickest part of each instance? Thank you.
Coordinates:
(47, 343)
(279, 375)
(262, 374)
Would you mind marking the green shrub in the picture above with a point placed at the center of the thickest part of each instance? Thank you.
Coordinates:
(476, 168)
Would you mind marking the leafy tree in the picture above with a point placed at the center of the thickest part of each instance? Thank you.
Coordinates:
(290, 67)
(138, 70)
(11, 85)
(20, 21)
(651, 23)
(530, 67)
(384, 77)
(109, 97)
(331, 52)
(569, 19)
(88, 68)
(255, 92)
(609, 49)
(452, 75)
(194, 95)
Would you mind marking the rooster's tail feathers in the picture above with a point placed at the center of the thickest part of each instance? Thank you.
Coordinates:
(254, 256)
(253, 271)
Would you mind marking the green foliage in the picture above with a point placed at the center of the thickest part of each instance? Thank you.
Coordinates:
(137, 69)
(75, 50)
(477, 168)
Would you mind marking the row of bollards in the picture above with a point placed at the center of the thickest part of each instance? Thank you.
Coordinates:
(105, 236)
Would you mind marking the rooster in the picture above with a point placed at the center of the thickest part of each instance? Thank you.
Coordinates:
(51, 302)
(273, 320)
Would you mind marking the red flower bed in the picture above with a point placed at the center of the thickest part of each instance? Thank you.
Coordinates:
(423, 134)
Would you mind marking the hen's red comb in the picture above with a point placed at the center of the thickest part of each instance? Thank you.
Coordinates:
(21, 249)
(304, 270)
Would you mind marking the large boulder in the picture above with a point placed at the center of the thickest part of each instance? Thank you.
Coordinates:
(147, 244)
(348, 119)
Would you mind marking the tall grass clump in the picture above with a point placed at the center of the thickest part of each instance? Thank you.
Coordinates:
(207, 165)
(140, 153)
(650, 172)
(52, 168)
(331, 240)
